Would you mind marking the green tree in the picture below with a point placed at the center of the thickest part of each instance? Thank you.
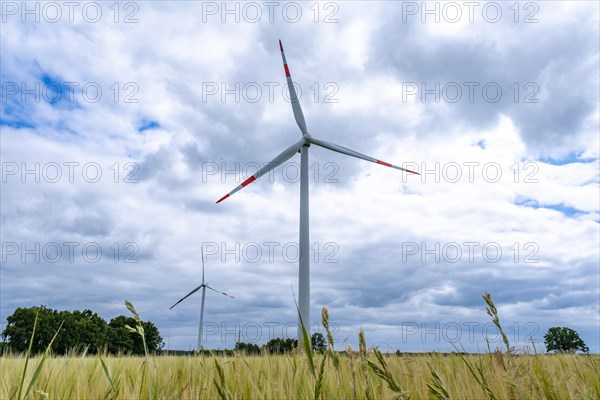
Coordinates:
(121, 340)
(281, 346)
(564, 340)
(318, 342)
(248, 348)
(20, 325)
(81, 330)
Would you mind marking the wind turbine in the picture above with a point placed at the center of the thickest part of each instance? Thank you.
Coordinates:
(203, 286)
(302, 146)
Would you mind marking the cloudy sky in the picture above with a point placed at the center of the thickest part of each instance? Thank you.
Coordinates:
(123, 123)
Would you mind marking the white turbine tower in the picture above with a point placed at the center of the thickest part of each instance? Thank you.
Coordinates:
(302, 146)
(203, 286)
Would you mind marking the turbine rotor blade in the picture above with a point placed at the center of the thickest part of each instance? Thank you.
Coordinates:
(187, 295)
(298, 115)
(223, 293)
(202, 250)
(352, 153)
(280, 159)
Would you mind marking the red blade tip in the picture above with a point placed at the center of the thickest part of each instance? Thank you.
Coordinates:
(280, 46)
(384, 163)
(222, 198)
(248, 181)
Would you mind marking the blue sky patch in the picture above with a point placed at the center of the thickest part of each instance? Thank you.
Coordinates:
(568, 159)
(147, 125)
(59, 93)
(16, 124)
(531, 203)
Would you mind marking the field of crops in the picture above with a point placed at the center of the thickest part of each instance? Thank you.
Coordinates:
(365, 374)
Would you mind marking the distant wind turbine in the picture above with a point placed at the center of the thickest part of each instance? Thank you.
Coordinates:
(203, 286)
(302, 146)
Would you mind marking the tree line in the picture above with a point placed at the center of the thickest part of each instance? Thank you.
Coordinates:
(282, 346)
(80, 331)
(87, 331)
